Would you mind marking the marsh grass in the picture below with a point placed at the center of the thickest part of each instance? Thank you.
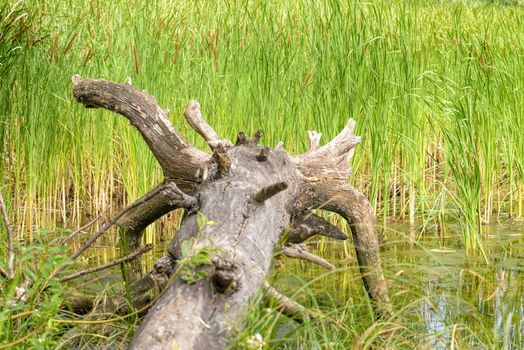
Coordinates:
(435, 87)
(441, 300)
(284, 68)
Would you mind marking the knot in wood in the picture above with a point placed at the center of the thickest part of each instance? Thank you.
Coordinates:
(226, 275)
(223, 162)
(262, 156)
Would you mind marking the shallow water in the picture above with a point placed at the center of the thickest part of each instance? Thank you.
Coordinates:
(444, 297)
(441, 295)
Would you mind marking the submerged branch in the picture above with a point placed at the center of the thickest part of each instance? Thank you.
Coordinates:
(287, 306)
(108, 265)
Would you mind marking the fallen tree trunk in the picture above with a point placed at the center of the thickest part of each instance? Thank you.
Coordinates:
(247, 197)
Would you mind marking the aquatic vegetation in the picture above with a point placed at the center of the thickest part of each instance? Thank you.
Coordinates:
(435, 86)
(291, 68)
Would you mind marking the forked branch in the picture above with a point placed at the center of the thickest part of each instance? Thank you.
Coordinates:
(179, 160)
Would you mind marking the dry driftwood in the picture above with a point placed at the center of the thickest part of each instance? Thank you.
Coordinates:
(249, 195)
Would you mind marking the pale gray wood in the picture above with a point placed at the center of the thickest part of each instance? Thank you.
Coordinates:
(244, 234)
(248, 195)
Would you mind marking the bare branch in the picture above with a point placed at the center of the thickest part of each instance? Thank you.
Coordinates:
(176, 199)
(287, 306)
(340, 197)
(179, 160)
(198, 123)
(325, 172)
(10, 238)
(269, 191)
(113, 221)
(314, 139)
(108, 265)
(132, 224)
(299, 251)
(80, 229)
(308, 225)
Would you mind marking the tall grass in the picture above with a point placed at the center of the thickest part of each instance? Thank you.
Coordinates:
(285, 68)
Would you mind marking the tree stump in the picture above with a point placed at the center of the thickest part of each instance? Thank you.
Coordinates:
(239, 201)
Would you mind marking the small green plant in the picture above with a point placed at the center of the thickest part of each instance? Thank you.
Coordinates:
(194, 256)
(32, 297)
(192, 260)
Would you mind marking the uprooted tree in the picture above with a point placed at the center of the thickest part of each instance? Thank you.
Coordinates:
(253, 195)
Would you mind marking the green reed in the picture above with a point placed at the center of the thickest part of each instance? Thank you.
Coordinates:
(286, 68)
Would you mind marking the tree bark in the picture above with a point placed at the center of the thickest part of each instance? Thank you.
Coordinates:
(249, 197)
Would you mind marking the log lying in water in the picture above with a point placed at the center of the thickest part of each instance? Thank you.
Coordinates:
(248, 196)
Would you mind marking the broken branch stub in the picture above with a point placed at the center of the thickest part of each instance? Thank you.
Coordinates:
(300, 251)
(248, 195)
(304, 226)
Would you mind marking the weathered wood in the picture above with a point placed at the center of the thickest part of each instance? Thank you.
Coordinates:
(135, 217)
(325, 171)
(307, 225)
(243, 237)
(198, 123)
(179, 160)
(150, 207)
(248, 196)
(300, 251)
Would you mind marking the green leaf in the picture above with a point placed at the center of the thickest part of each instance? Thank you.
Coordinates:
(185, 247)
(200, 275)
(201, 258)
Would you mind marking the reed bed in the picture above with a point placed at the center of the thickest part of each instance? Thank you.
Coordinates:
(435, 86)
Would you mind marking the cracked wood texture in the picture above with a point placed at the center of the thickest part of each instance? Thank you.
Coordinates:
(249, 195)
(243, 235)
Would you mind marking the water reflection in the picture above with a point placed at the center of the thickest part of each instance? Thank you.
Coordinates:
(466, 296)
(447, 299)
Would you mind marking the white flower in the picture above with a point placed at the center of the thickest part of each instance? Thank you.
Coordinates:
(255, 342)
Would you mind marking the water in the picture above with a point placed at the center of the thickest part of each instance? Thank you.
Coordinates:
(440, 295)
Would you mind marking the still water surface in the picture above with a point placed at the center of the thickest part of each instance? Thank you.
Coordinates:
(437, 290)
(439, 293)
